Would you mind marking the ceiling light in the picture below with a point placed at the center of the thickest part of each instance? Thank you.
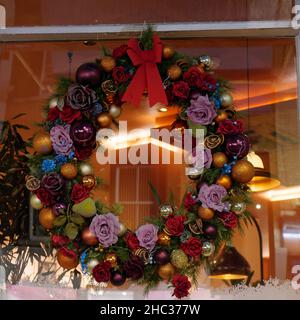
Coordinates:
(287, 193)
(163, 109)
(262, 181)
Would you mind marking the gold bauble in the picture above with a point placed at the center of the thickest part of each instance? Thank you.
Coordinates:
(219, 159)
(179, 259)
(222, 115)
(165, 210)
(88, 237)
(224, 181)
(35, 202)
(115, 111)
(66, 261)
(108, 63)
(174, 72)
(42, 143)
(46, 218)
(69, 171)
(85, 169)
(166, 271)
(88, 181)
(243, 171)
(163, 239)
(112, 259)
(123, 229)
(226, 99)
(205, 213)
(168, 52)
(104, 120)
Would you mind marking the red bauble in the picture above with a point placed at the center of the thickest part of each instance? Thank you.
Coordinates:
(88, 237)
(117, 278)
(89, 74)
(162, 257)
(210, 231)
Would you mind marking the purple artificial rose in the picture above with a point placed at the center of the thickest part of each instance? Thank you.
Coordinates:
(81, 98)
(53, 182)
(212, 196)
(61, 141)
(106, 227)
(202, 160)
(147, 236)
(201, 110)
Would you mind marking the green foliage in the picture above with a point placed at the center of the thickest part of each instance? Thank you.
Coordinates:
(14, 213)
(117, 208)
(71, 230)
(146, 38)
(210, 175)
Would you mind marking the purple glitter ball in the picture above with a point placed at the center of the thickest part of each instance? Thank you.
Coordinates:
(237, 145)
(83, 133)
(59, 208)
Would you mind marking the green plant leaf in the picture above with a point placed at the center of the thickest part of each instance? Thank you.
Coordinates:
(117, 208)
(71, 230)
(155, 193)
(60, 221)
(77, 219)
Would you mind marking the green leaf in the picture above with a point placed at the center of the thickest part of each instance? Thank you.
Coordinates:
(117, 208)
(18, 116)
(155, 193)
(60, 221)
(78, 219)
(71, 230)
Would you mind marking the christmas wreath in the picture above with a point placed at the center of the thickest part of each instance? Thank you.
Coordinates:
(174, 245)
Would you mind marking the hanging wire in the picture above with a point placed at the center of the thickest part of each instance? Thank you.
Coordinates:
(70, 56)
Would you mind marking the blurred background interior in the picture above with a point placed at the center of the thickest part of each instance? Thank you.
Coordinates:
(262, 71)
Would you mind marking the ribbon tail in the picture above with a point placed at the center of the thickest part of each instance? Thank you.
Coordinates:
(136, 87)
(155, 86)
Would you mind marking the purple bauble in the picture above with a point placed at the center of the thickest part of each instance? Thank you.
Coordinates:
(83, 133)
(89, 74)
(210, 231)
(59, 208)
(161, 257)
(237, 145)
(117, 278)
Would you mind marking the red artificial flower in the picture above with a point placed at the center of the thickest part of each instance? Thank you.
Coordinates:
(45, 196)
(207, 83)
(69, 114)
(230, 127)
(67, 252)
(189, 201)
(101, 271)
(59, 240)
(193, 76)
(175, 225)
(79, 193)
(120, 51)
(181, 285)
(181, 90)
(192, 247)
(53, 114)
(132, 241)
(120, 75)
(229, 219)
(83, 153)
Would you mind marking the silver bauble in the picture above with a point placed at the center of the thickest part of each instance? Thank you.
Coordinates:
(208, 248)
(226, 99)
(238, 208)
(92, 264)
(85, 169)
(115, 111)
(35, 202)
(165, 210)
(207, 62)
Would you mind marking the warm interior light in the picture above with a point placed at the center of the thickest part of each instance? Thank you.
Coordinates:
(255, 160)
(229, 276)
(287, 193)
(163, 109)
(262, 181)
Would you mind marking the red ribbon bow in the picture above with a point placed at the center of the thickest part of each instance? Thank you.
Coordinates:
(147, 75)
